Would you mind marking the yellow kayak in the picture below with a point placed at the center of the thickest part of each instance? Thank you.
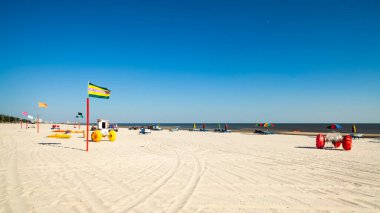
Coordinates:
(69, 131)
(59, 136)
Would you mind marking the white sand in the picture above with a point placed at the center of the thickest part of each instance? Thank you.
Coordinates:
(184, 172)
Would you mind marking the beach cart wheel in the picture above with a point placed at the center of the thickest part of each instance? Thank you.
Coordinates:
(320, 141)
(112, 135)
(347, 142)
(337, 144)
(96, 136)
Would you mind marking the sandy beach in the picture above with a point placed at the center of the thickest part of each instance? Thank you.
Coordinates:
(184, 172)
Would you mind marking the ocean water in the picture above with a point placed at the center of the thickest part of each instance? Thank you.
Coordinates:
(304, 127)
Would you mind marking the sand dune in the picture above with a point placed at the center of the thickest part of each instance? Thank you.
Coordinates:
(184, 172)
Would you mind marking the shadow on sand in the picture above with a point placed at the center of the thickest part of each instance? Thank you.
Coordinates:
(313, 147)
(58, 145)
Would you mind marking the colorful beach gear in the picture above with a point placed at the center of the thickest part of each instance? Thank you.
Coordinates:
(265, 124)
(353, 130)
(334, 126)
(61, 136)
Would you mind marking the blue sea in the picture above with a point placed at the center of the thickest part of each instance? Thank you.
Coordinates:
(373, 128)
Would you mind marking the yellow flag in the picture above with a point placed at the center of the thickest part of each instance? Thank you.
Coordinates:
(42, 105)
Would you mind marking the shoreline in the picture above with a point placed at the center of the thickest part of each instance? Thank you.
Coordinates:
(245, 131)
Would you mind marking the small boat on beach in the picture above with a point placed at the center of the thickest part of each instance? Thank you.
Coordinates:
(355, 135)
(61, 136)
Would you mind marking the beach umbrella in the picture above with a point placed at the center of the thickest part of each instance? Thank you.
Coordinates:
(265, 124)
(334, 126)
(226, 127)
(353, 128)
(204, 126)
(195, 126)
(268, 125)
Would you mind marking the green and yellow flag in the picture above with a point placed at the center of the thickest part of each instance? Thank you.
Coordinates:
(98, 92)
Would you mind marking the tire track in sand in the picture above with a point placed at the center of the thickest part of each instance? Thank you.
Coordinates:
(145, 194)
(188, 191)
(16, 201)
(95, 203)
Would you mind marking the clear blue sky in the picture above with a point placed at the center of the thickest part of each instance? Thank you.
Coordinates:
(193, 61)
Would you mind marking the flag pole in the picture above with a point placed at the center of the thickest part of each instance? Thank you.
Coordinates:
(38, 124)
(87, 116)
